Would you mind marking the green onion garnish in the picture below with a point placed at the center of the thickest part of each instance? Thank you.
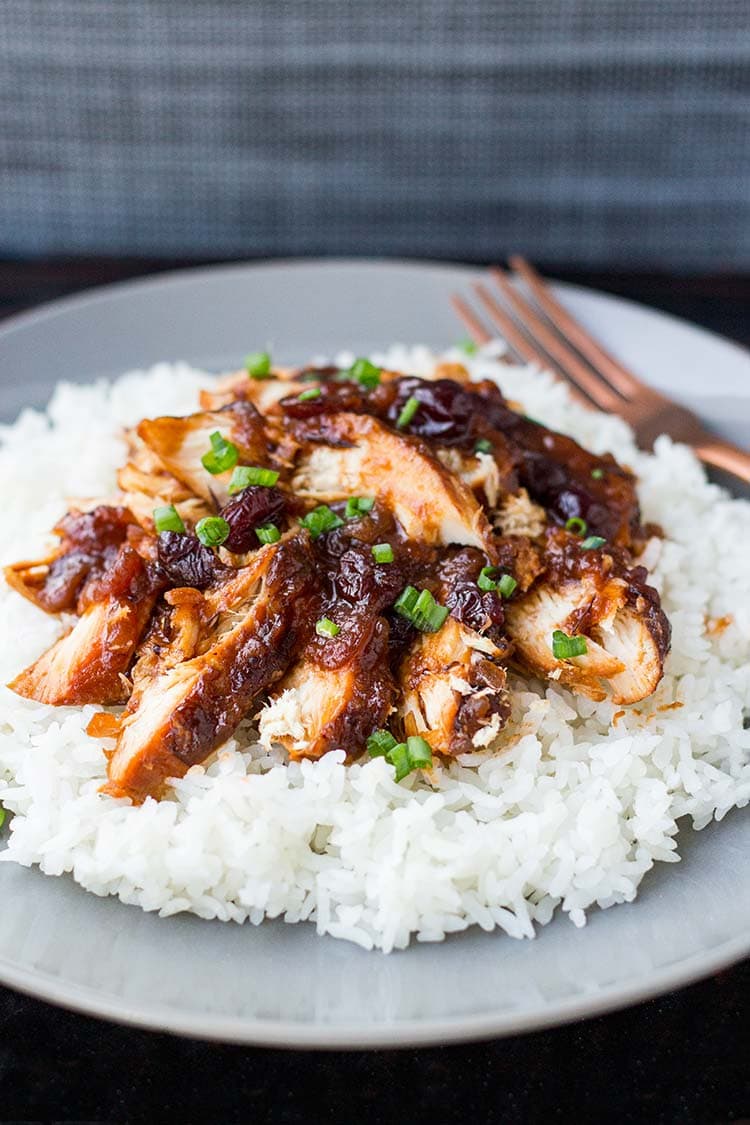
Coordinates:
(420, 752)
(597, 474)
(223, 455)
(246, 475)
(268, 533)
(326, 628)
(212, 531)
(365, 373)
(467, 346)
(592, 543)
(483, 446)
(320, 520)
(563, 646)
(382, 553)
(398, 756)
(379, 743)
(576, 525)
(409, 409)
(2, 816)
(309, 395)
(258, 365)
(359, 506)
(420, 609)
(505, 585)
(168, 519)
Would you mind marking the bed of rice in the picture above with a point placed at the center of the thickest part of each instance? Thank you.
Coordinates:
(570, 812)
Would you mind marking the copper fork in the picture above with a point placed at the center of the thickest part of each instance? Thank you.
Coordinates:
(541, 331)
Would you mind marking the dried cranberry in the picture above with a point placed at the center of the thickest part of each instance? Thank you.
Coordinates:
(333, 398)
(475, 609)
(358, 579)
(447, 414)
(251, 508)
(185, 561)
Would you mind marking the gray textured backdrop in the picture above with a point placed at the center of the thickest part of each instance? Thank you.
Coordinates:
(587, 132)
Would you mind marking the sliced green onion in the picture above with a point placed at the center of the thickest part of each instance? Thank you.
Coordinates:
(486, 580)
(467, 346)
(320, 520)
(168, 518)
(483, 446)
(258, 365)
(563, 646)
(597, 474)
(420, 609)
(246, 475)
(268, 533)
(359, 506)
(576, 525)
(212, 531)
(382, 553)
(592, 543)
(380, 743)
(419, 751)
(506, 586)
(326, 628)
(309, 395)
(2, 816)
(409, 409)
(398, 756)
(223, 455)
(365, 373)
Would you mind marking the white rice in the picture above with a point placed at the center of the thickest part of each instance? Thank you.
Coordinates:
(571, 813)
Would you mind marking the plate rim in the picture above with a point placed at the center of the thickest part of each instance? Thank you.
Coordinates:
(398, 1034)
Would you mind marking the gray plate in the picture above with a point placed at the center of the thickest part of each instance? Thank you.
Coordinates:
(283, 985)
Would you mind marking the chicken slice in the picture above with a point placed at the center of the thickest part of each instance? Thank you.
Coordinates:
(453, 689)
(355, 454)
(89, 664)
(318, 708)
(180, 443)
(185, 711)
(593, 595)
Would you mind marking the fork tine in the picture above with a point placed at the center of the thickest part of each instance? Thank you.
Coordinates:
(471, 323)
(571, 365)
(612, 370)
(518, 341)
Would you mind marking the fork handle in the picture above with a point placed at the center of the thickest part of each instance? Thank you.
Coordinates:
(723, 455)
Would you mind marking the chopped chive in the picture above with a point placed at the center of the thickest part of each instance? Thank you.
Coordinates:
(168, 518)
(409, 409)
(2, 816)
(320, 520)
(364, 373)
(592, 543)
(382, 553)
(398, 756)
(258, 365)
(309, 395)
(212, 531)
(597, 474)
(359, 506)
(563, 646)
(405, 602)
(467, 346)
(419, 751)
(576, 525)
(486, 580)
(379, 743)
(326, 628)
(268, 533)
(483, 446)
(222, 455)
(246, 475)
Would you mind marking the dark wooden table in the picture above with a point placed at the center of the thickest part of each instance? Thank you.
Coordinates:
(682, 1058)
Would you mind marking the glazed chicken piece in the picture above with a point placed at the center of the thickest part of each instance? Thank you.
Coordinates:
(355, 454)
(250, 623)
(89, 664)
(452, 683)
(180, 443)
(592, 594)
(145, 484)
